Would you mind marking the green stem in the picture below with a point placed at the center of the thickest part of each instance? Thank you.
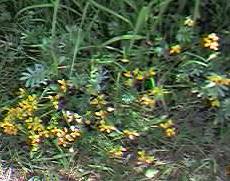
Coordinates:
(54, 22)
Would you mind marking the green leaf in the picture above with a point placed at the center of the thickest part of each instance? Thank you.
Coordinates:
(34, 75)
(150, 173)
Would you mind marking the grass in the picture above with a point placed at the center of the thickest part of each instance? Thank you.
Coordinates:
(91, 45)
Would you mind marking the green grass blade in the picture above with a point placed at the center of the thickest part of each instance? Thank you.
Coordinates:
(54, 22)
(196, 13)
(123, 37)
(34, 7)
(163, 7)
(142, 18)
(111, 12)
(79, 38)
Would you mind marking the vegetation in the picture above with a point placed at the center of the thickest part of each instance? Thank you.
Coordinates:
(114, 90)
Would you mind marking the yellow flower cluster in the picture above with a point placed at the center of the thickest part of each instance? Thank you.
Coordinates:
(22, 93)
(144, 158)
(169, 130)
(72, 117)
(54, 100)
(211, 41)
(68, 136)
(24, 109)
(219, 80)
(37, 132)
(101, 114)
(22, 117)
(99, 101)
(147, 100)
(9, 128)
(63, 85)
(214, 101)
(34, 141)
(176, 49)
(106, 128)
(28, 106)
(138, 75)
(117, 152)
(158, 92)
(35, 125)
(130, 134)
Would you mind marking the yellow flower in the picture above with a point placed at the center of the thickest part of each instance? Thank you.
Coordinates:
(219, 80)
(63, 85)
(128, 74)
(215, 78)
(106, 128)
(131, 134)
(129, 82)
(34, 124)
(147, 101)
(14, 113)
(189, 22)
(87, 122)
(214, 101)
(158, 92)
(211, 41)
(144, 158)
(75, 134)
(9, 128)
(213, 37)
(226, 82)
(44, 134)
(117, 152)
(71, 116)
(101, 114)
(212, 45)
(71, 150)
(25, 108)
(54, 131)
(136, 71)
(124, 60)
(69, 138)
(22, 93)
(167, 124)
(77, 118)
(151, 72)
(110, 109)
(99, 101)
(34, 139)
(66, 137)
(29, 105)
(54, 100)
(175, 49)
(170, 132)
(62, 141)
(140, 76)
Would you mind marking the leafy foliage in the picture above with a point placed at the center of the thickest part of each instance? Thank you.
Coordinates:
(34, 77)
